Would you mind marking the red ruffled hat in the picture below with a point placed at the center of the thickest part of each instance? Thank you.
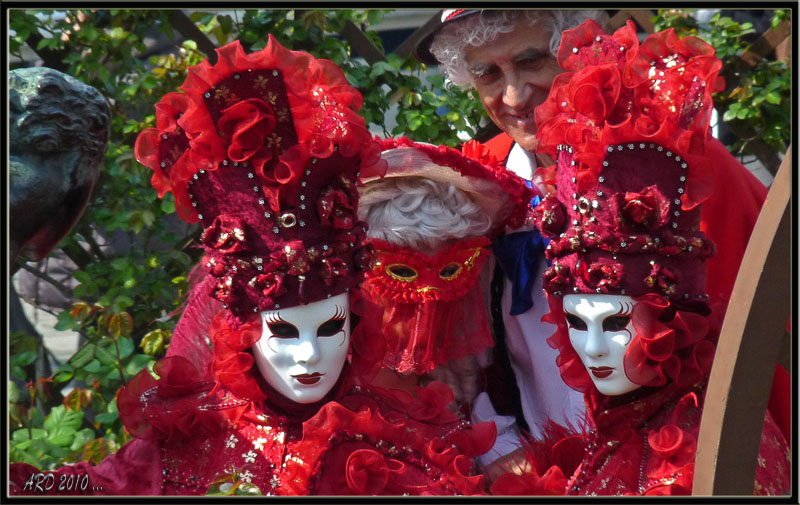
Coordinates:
(628, 125)
(434, 311)
(264, 150)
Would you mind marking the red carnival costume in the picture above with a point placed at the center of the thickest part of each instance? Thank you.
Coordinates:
(627, 125)
(727, 217)
(433, 308)
(265, 151)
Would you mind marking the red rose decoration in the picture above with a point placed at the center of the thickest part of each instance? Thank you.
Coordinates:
(246, 125)
(674, 447)
(648, 209)
(605, 274)
(662, 278)
(431, 403)
(222, 290)
(331, 269)
(336, 206)
(297, 258)
(272, 284)
(226, 234)
(366, 472)
(550, 216)
(161, 147)
(556, 278)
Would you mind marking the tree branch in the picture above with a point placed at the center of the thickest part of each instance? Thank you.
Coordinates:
(67, 292)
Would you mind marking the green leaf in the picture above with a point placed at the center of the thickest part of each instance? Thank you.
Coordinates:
(13, 392)
(125, 347)
(17, 454)
(168, 204)
(60, 416)
(120, 325)
(106, 356)
(84, 355)
(93, 367)
(61, 436)
(107, 417)
(138, 363)
(63, 373)
(154, 342)
(23, 358)
(18, 373)
(65, 322)
(774, 98)
(81, 438)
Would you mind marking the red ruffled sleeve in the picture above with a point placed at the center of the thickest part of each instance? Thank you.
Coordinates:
(364, 445)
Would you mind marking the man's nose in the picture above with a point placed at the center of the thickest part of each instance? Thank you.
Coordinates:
(517, 92)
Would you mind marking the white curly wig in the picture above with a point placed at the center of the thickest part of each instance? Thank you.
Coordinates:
(420, 213)
(449, 45)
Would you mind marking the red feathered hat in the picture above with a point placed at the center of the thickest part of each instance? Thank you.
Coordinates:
(264, 150)
(627, 125)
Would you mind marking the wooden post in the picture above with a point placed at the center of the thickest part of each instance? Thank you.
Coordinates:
(751, 339)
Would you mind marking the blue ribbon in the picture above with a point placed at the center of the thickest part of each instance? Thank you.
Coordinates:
(518, 255)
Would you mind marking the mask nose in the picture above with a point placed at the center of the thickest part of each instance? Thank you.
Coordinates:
(307, 351)
(596, 345)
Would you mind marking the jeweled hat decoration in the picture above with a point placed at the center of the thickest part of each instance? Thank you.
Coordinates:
(627, 126)
(265, 151)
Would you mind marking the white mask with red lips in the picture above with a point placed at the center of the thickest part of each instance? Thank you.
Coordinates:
(600, 330)
(303, 349)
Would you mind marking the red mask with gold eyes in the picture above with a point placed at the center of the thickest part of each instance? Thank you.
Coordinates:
(405, 275)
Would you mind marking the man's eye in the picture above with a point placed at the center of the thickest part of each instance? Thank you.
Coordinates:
(485, 75)
(450, 271)
(532, 62)
(330, 328)
(576, 322)
(283, 330)
(616, 323)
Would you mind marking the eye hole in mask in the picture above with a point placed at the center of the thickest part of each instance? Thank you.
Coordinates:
(450, 271)
(402, 272)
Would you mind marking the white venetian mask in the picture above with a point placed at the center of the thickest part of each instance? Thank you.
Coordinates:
(600, 330)
(302, 349)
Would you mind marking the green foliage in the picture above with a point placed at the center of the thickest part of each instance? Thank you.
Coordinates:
(761, 96)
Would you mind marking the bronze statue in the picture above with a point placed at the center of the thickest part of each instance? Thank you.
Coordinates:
(59, 130)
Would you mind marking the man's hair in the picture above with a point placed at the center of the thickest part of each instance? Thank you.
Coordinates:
(420, 213)
(449, 45)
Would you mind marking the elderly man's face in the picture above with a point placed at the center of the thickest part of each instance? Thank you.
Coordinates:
(512, 74)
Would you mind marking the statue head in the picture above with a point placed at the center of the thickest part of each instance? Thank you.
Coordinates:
(58, 135)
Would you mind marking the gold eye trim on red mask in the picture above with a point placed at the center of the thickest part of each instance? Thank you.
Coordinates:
(450, 271)
(401, 272)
